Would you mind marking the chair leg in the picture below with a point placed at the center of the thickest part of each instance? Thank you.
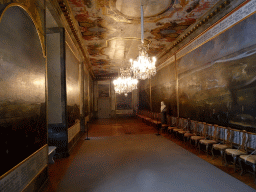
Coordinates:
(196, 144)
(235, 159)
(222, 156)
(212, 153)
(207, 146)
(199, 147)
(254, 172)
(242, 169)
(225, 157)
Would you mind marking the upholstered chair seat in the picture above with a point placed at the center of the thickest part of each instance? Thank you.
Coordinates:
(176, 130)
(183, 132)
(220, 146)
(148, 119)
(249, 158)
(188, 134)
(197, 138)
(207, 142)
(235, 152)
(171, 128)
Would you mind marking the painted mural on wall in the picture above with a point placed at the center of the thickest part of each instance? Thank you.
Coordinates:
(110, 27)
(144, 95)
(22, 89)
(73, 88)
(163, 88)
(144, 100)
(217, 82)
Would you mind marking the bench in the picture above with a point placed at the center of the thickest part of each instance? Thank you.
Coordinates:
(51, 153)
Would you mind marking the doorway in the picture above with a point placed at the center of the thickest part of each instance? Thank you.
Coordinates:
(104, 108)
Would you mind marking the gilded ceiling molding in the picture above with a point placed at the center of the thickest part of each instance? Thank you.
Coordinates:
(65, 9)
(167, 62)
(234, 17)
(191, 30)
(36, 12)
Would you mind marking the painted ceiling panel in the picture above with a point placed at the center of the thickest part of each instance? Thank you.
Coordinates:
(111, 29)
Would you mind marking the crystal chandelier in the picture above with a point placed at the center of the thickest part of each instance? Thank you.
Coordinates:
(144, 66)
(125, 83)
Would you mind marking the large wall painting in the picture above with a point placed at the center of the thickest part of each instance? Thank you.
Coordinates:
(163, 88)
(73, 88)
(217, 86)
(144, 95)
(22, 89)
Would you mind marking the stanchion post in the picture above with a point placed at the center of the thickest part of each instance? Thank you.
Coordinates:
(87, 130)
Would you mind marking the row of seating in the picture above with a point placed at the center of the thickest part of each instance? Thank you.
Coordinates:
(152, 118)
(232, 144)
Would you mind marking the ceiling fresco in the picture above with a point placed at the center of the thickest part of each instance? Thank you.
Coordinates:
(111, 28)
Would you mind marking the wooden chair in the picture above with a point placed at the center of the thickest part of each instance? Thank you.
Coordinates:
(213, 133)
(191, 132)
(185, 129)
(156, 120)
(248, 160)
(225, 144)
(174, 124)
(241, 150)
(201, 134)
(179, 128)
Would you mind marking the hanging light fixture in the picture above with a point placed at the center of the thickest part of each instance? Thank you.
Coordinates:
(125, 83)
(144, 66)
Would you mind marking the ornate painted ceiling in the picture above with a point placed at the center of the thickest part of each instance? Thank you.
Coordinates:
(111, 29)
